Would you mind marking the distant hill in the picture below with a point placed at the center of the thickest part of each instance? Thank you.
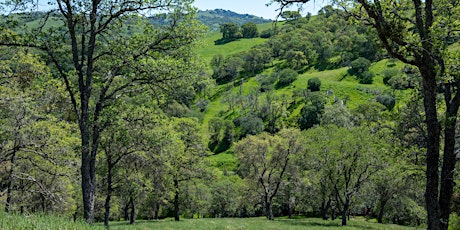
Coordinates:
(214, 18)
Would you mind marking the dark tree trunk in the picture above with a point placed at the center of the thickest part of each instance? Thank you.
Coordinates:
(268, 207)
(88, 179)
(345, 214)
(9, 185)
(132, 217)
(109, 192)
(432, 151)
(449, 160)
(324, 208)
(269, 210)
(176, 201)
(126, 212)
(157, 210)
(380, 214)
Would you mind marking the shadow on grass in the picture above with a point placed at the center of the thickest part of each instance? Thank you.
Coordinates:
(126, 223)
(223, 41)
(315, 223)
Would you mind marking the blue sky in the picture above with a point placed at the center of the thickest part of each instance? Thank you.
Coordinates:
(255, 7)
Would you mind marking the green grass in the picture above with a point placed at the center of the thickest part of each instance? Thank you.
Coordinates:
(254, 224)
(37, 221)
(209, 48)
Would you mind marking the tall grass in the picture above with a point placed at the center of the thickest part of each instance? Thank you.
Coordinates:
(39, 222)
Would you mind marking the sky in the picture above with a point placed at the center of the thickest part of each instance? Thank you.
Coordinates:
(254, 7)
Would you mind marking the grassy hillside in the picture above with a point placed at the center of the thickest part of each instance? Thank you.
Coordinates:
(209, 48)
(336, 82)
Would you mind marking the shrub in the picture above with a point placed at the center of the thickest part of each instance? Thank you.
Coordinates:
(250, 125)
(286, 77)
(366, 78)
(266, 82)
(314, 84)
(359, 66)
(388, 74)
(267, 33)
(387, 100)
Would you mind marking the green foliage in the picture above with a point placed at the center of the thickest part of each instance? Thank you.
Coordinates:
(226, 70)
(311, 112)
(360, 69)
(359, 66)
(314, 84)
(387, 100)
(249, 30)
(285, 77)
(250, 125)
(230, 32)
(266, 82)
(366, 78)
(388, 74)
(290, 15)
(255, 60)
(268, 33)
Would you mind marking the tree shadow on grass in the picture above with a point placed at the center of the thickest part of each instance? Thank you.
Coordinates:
(308, 223)
(223, 41)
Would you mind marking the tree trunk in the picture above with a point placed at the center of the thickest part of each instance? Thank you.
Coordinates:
(157, 210)
(432, 151)
(126, 211)
(324, 208)
(176, 201)
(132, 217)
(448, 166)
(109, 192)
(268, 207)
(87, 163)
(345, 214)
(380, 214)
(269, 211)
(10, 180)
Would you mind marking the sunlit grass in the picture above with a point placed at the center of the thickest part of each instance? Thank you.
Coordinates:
(254, 224)
(37, 221)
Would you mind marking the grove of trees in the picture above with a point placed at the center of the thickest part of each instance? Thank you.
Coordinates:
(107, 113)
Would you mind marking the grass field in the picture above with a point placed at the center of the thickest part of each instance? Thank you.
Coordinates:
(39, 222)
(254, 224)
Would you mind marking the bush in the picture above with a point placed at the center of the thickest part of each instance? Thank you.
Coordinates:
(286, 77)
(250, 125)
(366, 78)
(267, 33)
(388, 74)
(314, 84)
(359, 66)
(387, 100)
(266, 82)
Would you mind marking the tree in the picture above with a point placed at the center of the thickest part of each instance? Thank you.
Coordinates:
(249, 30)
(264, 162)
(98, 61)
(255, 60)
(345, 158)
(360, 68)
(417, 34)
(290, 15)
(230, 31)
(311, 112)
(285, 77)
(314, 84)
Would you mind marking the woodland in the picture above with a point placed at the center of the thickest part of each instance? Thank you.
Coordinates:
(136, 110)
